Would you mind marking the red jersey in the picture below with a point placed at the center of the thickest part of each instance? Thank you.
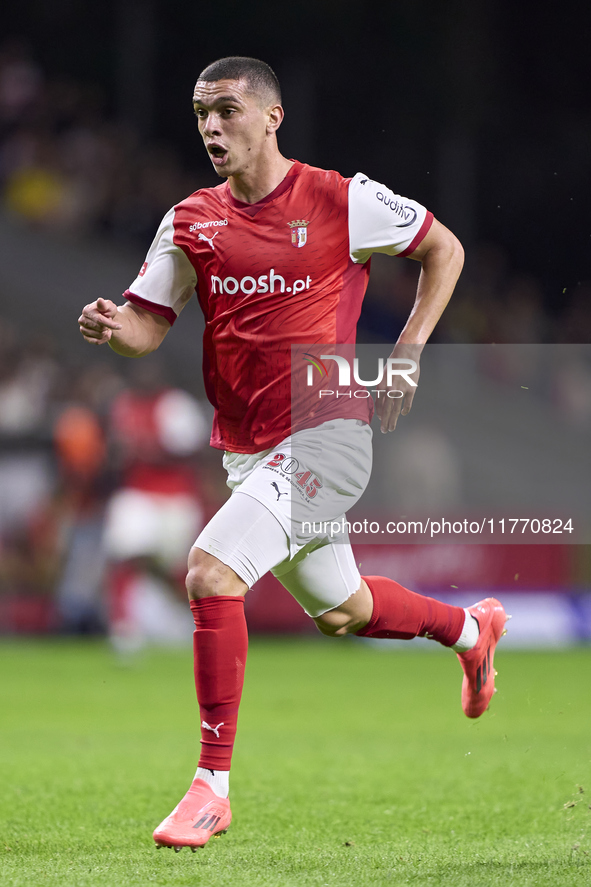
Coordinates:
(290, 270)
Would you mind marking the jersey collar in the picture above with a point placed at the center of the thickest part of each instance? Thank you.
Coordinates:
(284, 185)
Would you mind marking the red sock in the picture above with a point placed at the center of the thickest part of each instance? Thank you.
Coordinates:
(220, 644)
(400, 613)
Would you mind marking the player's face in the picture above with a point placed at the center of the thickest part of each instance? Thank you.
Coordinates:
(232, 123)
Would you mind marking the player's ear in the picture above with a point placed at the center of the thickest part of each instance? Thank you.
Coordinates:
(275, 115)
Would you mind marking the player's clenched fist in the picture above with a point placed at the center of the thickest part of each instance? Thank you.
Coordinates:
(97, 321)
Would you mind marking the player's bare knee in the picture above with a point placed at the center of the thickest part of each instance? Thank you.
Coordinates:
(208, 577)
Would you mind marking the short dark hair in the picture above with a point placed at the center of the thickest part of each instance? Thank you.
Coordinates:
(259, 76)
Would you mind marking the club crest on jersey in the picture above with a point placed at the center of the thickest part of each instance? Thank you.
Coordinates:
(299, 232)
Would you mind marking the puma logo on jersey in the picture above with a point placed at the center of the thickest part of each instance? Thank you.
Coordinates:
(202, 236)
(215, 730)
(279, 493)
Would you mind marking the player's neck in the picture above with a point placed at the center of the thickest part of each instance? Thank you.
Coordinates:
(258, 182)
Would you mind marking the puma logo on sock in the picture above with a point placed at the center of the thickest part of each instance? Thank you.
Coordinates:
(215, 730)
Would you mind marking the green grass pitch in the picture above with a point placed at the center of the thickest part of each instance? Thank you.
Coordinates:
(354, 766)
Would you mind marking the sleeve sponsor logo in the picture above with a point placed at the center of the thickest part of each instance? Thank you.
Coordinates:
(407, 213)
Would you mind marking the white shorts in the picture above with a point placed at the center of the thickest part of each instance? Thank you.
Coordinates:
(282, 505)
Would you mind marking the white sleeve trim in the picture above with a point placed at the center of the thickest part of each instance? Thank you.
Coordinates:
(379, 220)
(167, 277)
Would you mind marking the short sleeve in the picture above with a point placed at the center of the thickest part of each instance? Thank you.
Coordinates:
(167, 279)
(383, 222)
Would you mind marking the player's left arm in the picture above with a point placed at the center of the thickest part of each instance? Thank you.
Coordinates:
(441, 256)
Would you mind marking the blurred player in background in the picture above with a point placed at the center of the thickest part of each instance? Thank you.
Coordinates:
(155, 514)
(279, 255)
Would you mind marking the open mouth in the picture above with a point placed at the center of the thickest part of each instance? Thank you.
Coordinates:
(217, 153)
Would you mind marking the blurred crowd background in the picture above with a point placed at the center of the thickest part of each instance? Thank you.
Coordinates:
(97, 142)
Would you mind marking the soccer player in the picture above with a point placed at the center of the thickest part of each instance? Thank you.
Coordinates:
(278, 254)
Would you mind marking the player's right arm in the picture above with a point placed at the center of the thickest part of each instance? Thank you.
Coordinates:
(165, 283)
(129, 329)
